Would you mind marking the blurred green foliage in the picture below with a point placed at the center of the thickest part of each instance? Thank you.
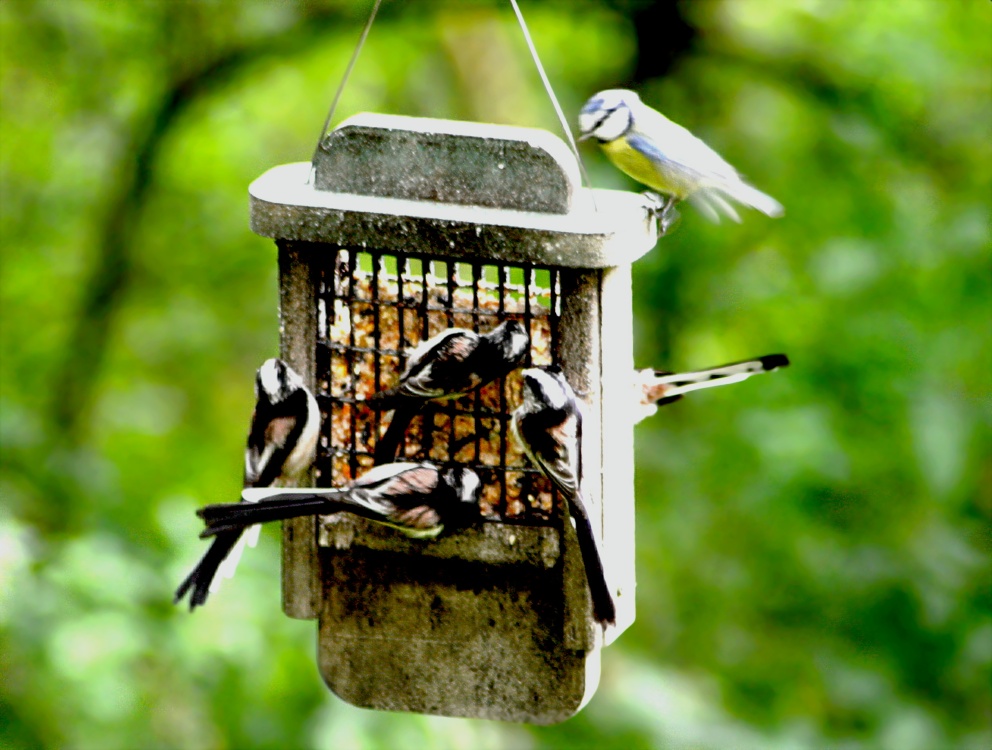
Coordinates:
(813, 546)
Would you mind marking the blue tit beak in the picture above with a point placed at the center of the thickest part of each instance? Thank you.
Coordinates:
(584, 137)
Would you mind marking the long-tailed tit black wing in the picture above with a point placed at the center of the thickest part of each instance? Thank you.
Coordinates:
(547, 424)
(446, 366)
(656, 388)
(419, 499)
(281, 446)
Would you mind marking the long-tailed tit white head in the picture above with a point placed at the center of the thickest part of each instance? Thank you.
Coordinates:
(284, 426)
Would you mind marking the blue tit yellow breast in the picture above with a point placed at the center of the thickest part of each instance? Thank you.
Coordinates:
(639, 166)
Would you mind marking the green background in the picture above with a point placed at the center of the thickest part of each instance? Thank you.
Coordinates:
(812, 546)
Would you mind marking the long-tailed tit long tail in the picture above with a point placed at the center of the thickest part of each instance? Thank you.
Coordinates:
(656, 388)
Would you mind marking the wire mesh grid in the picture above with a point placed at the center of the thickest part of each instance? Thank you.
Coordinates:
(373, 308)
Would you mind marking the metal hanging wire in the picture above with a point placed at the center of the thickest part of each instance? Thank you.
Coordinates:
(537, 63)
(344, 80)
(550, 91)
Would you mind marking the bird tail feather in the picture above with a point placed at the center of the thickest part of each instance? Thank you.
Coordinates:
(712, 201)
(685, 382)
(201, 581)
(222, 517)
(229, 565)
(720, 204)
(751, 196)
(603, 607)
(701, 200)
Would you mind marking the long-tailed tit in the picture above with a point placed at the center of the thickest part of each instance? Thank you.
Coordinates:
(419, 499)
(446, 366)
(656, 388)
(282, 443)
(548, 426)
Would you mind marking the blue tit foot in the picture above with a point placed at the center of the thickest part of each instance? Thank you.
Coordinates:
(668, 219)
(653, 202)
(662, 210)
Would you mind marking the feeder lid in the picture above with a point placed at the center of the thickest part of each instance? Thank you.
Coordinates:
(448, 161)
(466, 190)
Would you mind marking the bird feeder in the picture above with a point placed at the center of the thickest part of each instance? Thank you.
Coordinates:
(405, 227)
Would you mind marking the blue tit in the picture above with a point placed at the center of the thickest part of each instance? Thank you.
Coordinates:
(666, 157)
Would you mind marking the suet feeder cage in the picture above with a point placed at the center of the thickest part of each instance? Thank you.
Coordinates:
(405, 227)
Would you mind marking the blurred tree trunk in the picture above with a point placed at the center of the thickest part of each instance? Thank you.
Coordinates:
(110, 276)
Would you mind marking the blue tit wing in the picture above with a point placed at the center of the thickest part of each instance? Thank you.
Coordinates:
(670, 175)
(678, 146)
(694, 169)
(676, 176)
(681, 147)
(646, 146)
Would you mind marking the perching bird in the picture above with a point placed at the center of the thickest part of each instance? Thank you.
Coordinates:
(666, 157)
(656, 388)
(446, 366)
(282, 443)
(548, 426)
(417, 498)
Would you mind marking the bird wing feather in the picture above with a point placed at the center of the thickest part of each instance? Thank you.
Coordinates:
(563, 470)
(678, 145)
(425, 378)
(264, 458)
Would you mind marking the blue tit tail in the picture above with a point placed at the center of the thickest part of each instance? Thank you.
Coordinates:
(712, 201)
